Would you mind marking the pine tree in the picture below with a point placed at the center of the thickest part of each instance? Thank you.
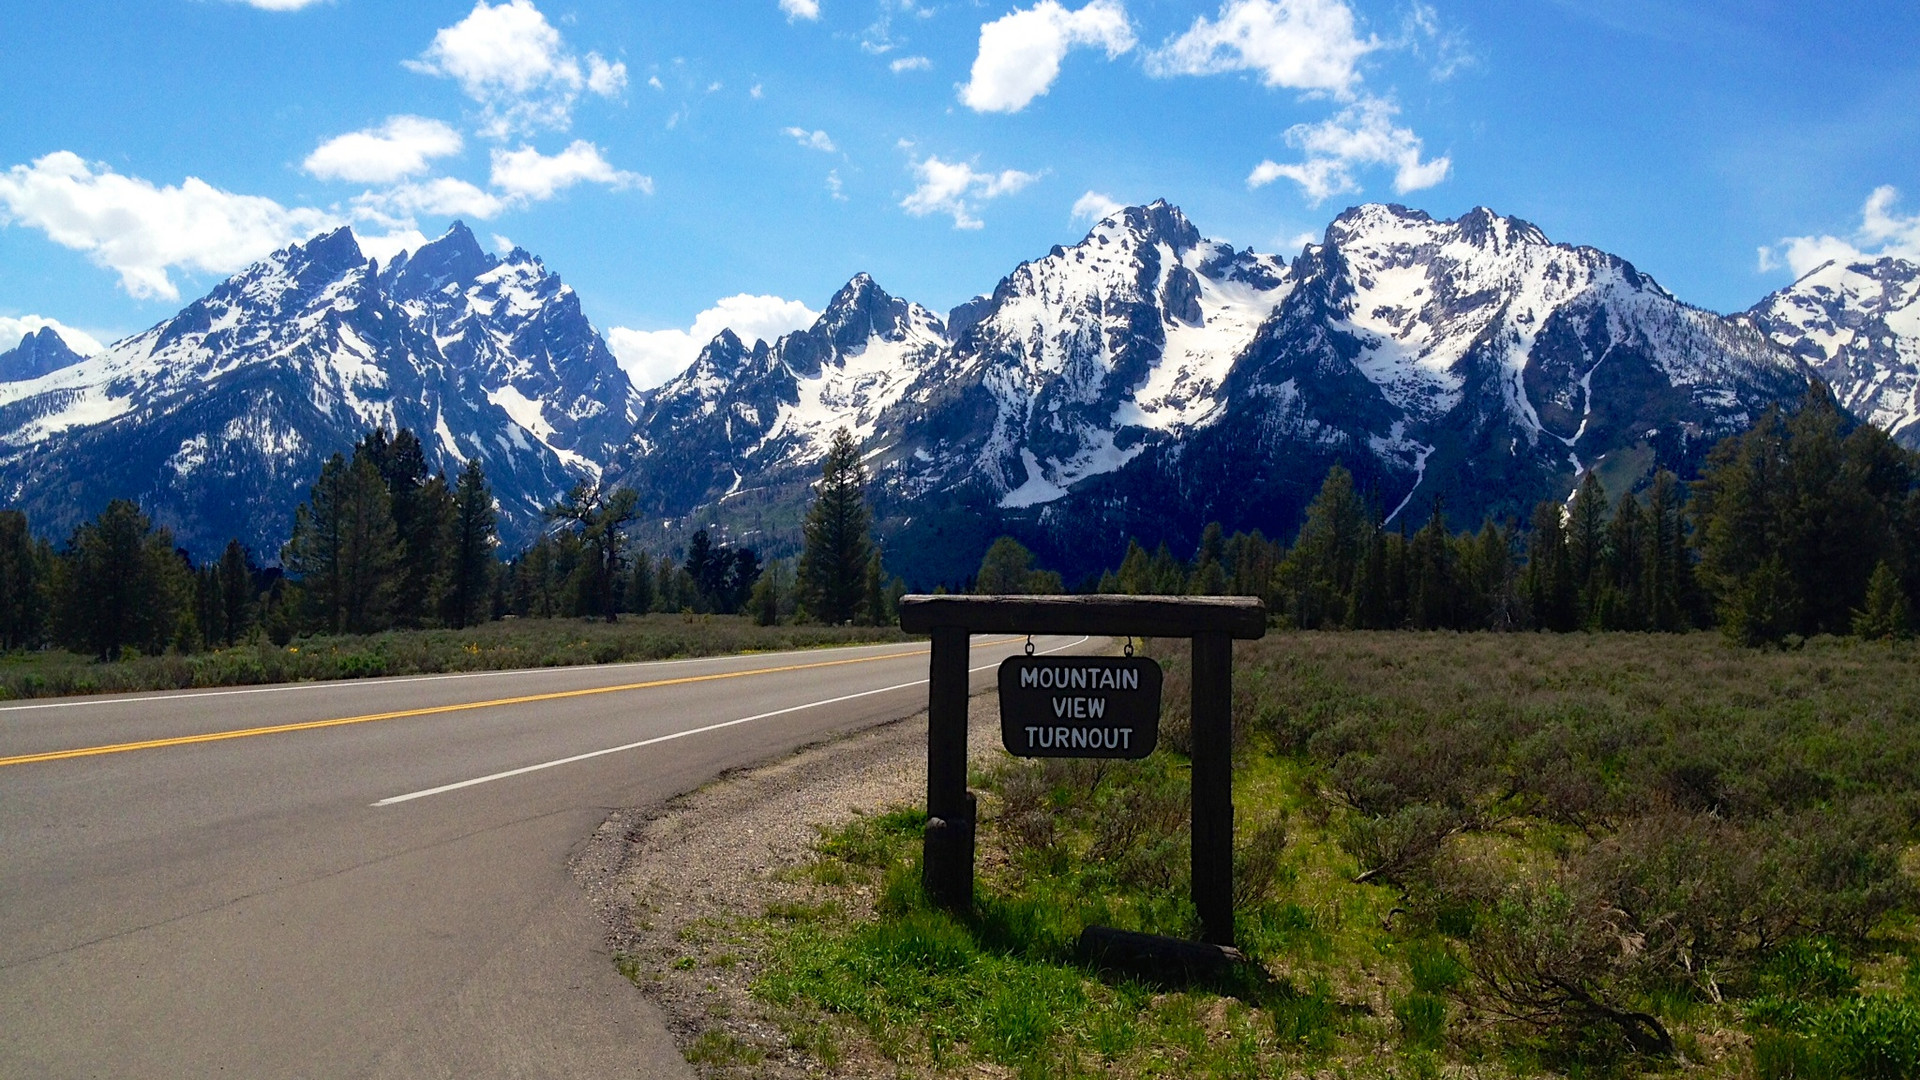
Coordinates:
(1548, 580)
(239, 595)
(1886, 614)
(470, 562)
(1430, 575)
(873, 593)
(1135, 576)
(1763, 606)
(639, 595)
(26, 566)
(1004, 569)
(765, 601)
(599, 518)
(1586, 533)
(1670, 595)
(423, 519)
(833, 560)
(1626, 571)
(345, 549)
(121, 585)
(1317, 575)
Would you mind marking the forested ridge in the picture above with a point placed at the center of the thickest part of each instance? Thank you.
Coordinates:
(1808, 523)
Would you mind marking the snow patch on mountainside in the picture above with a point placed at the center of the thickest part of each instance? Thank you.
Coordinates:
(855, 391)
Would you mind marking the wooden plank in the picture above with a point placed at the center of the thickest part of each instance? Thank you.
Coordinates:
(1242, 617)
(946, 867)
(1213, 786)
(1161, 959)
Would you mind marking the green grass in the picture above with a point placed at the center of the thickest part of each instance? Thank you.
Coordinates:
(508, 644)
(1526, 855)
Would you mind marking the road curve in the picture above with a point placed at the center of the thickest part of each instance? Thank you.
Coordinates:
(369, 878)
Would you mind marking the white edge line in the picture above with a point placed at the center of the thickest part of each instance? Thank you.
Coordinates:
(337, 684)
(656, 740)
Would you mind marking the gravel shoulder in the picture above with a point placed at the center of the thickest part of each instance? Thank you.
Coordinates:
(673, 882)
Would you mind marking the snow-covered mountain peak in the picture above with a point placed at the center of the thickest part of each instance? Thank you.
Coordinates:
(454, 259)
(862, 312)
(1856, 325)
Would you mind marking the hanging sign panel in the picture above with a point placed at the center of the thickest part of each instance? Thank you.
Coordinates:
(1079, 706)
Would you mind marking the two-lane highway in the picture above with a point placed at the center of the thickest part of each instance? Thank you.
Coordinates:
(369, 878)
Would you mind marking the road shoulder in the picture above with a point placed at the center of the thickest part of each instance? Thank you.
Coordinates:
(669, 882)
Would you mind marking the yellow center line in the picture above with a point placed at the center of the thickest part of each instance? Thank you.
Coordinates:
(434, 710)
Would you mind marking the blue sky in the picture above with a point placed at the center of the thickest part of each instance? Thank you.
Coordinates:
(690, 165)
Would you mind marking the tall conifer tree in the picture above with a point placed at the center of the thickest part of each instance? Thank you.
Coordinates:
(833, 561)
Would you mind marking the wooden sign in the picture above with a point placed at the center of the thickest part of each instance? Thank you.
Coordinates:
(1079, 706)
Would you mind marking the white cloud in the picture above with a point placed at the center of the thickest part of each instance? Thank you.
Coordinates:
(1020, 53)
(503, 245)
(910, 63)
(387, 246)
(1310, 45)
(651, 357)
(834, 187)
(528, 175)
(1882, 232)
(812, 140)
(1094, 206)
(442, 196)
(1360, 135)
(952, 187)
(654, 81)
(12, 330)
(404, 146)
(140, 230)
(800, 9)
(512, 61)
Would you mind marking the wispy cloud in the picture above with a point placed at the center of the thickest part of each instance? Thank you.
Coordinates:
(1360, 135)
(812, 140)
(954, 187)
(801, 9)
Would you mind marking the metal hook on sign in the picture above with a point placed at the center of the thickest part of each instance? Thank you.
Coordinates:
(1129, 644)
(1029, 644)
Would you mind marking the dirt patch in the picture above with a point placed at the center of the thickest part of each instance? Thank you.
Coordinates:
(673, 884)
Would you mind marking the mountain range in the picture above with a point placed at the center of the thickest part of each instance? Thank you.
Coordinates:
(1140, 383)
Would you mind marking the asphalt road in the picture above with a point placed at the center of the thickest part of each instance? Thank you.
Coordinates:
(369, 879)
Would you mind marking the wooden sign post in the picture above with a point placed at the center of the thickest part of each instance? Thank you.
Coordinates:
(1213, 622)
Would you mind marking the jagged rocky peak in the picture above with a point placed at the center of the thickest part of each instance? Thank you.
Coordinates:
(1157, 222)
(325, 258)
(455, 258)
(862, 311)
(39, 353)
(1479, 228)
